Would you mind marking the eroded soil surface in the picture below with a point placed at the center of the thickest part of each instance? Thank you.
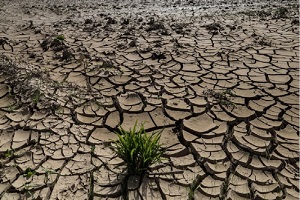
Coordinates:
(221, 81)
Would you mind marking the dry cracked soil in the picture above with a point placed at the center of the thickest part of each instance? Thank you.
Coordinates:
(221, 80)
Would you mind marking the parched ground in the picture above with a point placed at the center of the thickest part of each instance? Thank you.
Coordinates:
(222, 82)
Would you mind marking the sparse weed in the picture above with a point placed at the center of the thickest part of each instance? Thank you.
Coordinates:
(263, 42)
(92, 149)
(36, 96)
(60, 37)
(27, 189)
(48, 172)
(224, 189)
(9, 153)
(223, 98)
(91, 189)
(29, 173)
(193, 187)
(13, 107)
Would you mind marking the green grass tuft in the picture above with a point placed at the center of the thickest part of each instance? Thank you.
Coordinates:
(138, 149)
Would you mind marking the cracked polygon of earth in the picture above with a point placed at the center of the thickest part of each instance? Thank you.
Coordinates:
(20, 138)
(241, 112)
(176, 150)
(288, 151)
(113, 119)
(221, 114)
(105, 179)
(256, 163)
(183, 161)
(250, 142)
(149, 189)
(72, 186)
(211, 153)
(259, 123)
(239, 186)
(288, 134)
(210, 187)
(193, 124)
(131, 102)
(173, 190)
(159, 117)
(130, 119)
(260, 133)
(177, 104)
(218, 169)
(6, 140)
(261, 192)
(292, 194)
(102, 135)
(79, 164)
(189, 174)
(237, 155)
(256, 176)
(168, 138)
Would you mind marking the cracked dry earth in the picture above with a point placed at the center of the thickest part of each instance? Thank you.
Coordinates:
(117, 64)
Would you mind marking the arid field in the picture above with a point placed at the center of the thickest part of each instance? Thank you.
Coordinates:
(219, 79)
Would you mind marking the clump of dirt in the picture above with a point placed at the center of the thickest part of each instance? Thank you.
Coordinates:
(261, 41)
(281, 12)
(179, 28)
(88, 21)
(214, 28)
(67, 55)
(158, 56)
(110, 20)
(155, 25)
(295, 22)
(53, 43)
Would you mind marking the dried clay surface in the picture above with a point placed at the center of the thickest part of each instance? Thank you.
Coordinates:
(221, 80)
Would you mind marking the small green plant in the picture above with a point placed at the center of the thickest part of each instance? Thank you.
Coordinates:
(27, 189)
(91, 189)
(138, 149)
(48, 173)
(9, 153)
(29, 173)
(193, 187)
(92, 149)
(60, 37)
(92, 153)
(36, 96)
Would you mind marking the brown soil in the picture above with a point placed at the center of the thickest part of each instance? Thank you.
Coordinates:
(221, 81)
